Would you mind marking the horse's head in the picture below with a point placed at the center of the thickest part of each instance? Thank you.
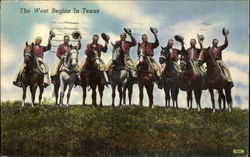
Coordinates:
(28, 53)
(95, 57)
(116, 53)
(71, 58)
(165, 55)
(202, 57)
(141, 52)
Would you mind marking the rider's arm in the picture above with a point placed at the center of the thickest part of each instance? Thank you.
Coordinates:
(156, 43)
(133, 43)
(104, 48)
(58, 54)
(225, 44)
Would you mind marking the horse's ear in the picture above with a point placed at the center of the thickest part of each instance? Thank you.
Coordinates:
(26, 43)
(32, 44)
(162, 47)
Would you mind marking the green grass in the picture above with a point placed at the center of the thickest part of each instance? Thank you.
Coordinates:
(131, 131)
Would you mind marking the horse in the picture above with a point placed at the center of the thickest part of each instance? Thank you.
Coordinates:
(120, 76)
(192, 82)
(170, 78)
(31, 76)
(215, 80)
(91, 76)
(67, 76)
(145, 73)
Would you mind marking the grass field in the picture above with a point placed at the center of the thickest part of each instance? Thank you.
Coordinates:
(131, 131)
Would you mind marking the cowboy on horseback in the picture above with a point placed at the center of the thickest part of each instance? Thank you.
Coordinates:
(216, 52)
(149, 51)
(174, 55)
(42, 66)
(99, 48)
(125, 47)
(62, 50)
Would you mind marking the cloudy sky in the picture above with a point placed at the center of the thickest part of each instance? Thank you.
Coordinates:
(186, 18)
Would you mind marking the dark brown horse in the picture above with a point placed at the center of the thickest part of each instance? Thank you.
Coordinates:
(145, 75)
(215, 79)
(31, 76)
(91, 76)
(170, 78)
(192, 82)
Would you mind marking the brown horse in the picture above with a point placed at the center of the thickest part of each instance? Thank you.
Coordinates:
(91, 76)
(145, 75)
(215, 79)
(170, 78)
(31, 76)
(192, 82)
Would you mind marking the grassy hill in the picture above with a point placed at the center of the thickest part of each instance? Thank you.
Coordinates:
(84, 130)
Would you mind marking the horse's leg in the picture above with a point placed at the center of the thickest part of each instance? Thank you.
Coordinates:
(113, 94)
(149, 89)
(189, 99)
(229, 99)
(33, 94)
(211, 91)
(197, 94)
(24, 94)
(101, 89)
(120, 94)
(221, 97)
(175, 96)
(56, 89)
(84, 94)
(69, 91)
(140, 94)
(124, 88)
(167, 96)
(40, 94)
(93, 95)
(63, 87)
(130, 92)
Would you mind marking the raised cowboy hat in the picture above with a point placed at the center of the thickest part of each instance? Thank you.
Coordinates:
(179, 38)
(225, 31)
(153, 30)
(200, 37)
(52, 33)
(105, 37)
(127, 30)
(76, 34)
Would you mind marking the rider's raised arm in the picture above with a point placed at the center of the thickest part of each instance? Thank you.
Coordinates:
(104, 48)
(133, 43)
(156, 43)
(225, 44)
(48, 47)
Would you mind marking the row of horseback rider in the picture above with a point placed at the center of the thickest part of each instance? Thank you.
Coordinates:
(192, 52)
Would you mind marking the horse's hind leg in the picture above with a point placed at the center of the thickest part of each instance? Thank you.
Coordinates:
(189, 99)
(141, 94)
(150, 95)
(130, 92)
(221, 97)
(33, 94)
(120, 94)
(63, 88)
(211, 91)
(40, 94)
(167, 97)
(174, 94)
(69, 92)
(113, 94)
(197, 94)
(93, 95)
(56, 89)
(124, 94)
(24, 95)
(101, 89)
(84, 94)
(229, 99)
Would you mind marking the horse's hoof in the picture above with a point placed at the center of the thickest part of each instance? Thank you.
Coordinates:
(199, 109)
(213, 110)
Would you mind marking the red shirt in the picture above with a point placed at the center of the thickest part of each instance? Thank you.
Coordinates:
(217, 51)
(126, 45)
(196, 53)
(39, 50)
(62, 49)
(97, 46)
(149, 47)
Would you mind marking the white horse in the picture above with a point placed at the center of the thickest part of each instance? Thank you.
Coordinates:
(68, 74)
(120, 76)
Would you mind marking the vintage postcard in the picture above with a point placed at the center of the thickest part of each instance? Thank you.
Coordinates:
(124, 78)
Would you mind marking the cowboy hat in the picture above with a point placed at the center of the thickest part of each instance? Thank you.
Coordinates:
(127, 30)
(200, 37)
(225, 31)
(76, 34)
(179, 38)
(52, 33)
(105, 37)
(153, 30)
